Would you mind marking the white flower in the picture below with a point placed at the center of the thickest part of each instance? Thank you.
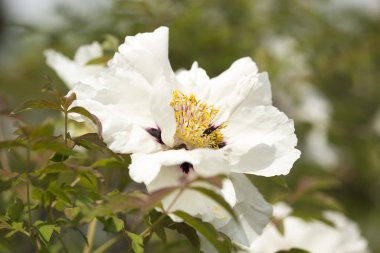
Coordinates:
(184, 125)
(315, 236)
(73, 71)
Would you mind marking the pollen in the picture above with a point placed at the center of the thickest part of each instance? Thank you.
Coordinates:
(194, 123)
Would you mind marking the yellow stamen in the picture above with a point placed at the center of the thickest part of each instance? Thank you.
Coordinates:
(194, 122)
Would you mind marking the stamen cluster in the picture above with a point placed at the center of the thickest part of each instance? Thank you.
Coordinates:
(194, 123)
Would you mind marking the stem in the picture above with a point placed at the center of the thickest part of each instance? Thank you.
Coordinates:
(30, 217)
(3, 156)
(165, 212)
(90, 236)
(63, 243)
(65, 134)
(106, 245)
(28, 168)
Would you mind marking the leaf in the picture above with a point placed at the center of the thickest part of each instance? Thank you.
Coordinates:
(71, 212)
(16, 227)
(112, 224)
(137, 242)
(58, 192)
(52, 169)
(4, 223)
(5, 184)
(110, 163)
(207, 230)
(15, 210)
(90, 141)
(217, 198)
(45, 130)
(12, 144)
(37, 104)
(110, 43)
(99, 60)
(190, 234)
(46, 230)
(68, 100)
(82, 111)
(53, 145)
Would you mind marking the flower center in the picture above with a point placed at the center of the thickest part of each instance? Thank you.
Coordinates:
(194, 123)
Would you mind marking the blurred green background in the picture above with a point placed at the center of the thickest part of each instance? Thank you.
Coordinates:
(323, 59)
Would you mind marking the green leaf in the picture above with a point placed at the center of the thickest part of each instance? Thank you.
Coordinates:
(82, 111)
(99, 60)
(137, 242)
(112, 224)
(15, 210)
(52, 169)
(54, 145)
(217, 198)
(207, 230)
(90, 141)
(5, 184)
(45, 130)
(37, 104)
(110, 163)
(189, 232)
(57, 191)
(110, 43)
(46, 230)
(12, 144)
(16, 227)
(4, 223)
(71, 212)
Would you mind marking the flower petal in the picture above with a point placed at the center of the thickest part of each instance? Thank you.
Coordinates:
(206, 163)
(194, 81)
(261, 141)
(73, 71)
(145, 167)
(252, 210)
(146, 53)
(86, 53)
(225, 82)
(162, 112)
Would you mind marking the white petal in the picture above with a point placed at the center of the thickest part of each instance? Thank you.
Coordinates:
(145, 167)
(314, 236)
(206, 162)
(210, 162)
(146, 53)
(252, 210)
(162, 112)
(223, 84)
(86, 53)
(261, 93)
(73, 71)
(194, 81)
(261, 133)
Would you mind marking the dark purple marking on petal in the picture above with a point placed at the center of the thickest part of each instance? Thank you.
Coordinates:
(186, 167)
(222, 144)
(210, 130)
(156, 133)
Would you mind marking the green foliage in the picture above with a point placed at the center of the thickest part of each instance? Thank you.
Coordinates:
(69, 186)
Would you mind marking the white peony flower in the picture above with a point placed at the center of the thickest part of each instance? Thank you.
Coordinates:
(315, 236)
(181, 126)
(73, 71)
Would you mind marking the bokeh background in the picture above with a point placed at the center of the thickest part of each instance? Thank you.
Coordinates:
(322, 56)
